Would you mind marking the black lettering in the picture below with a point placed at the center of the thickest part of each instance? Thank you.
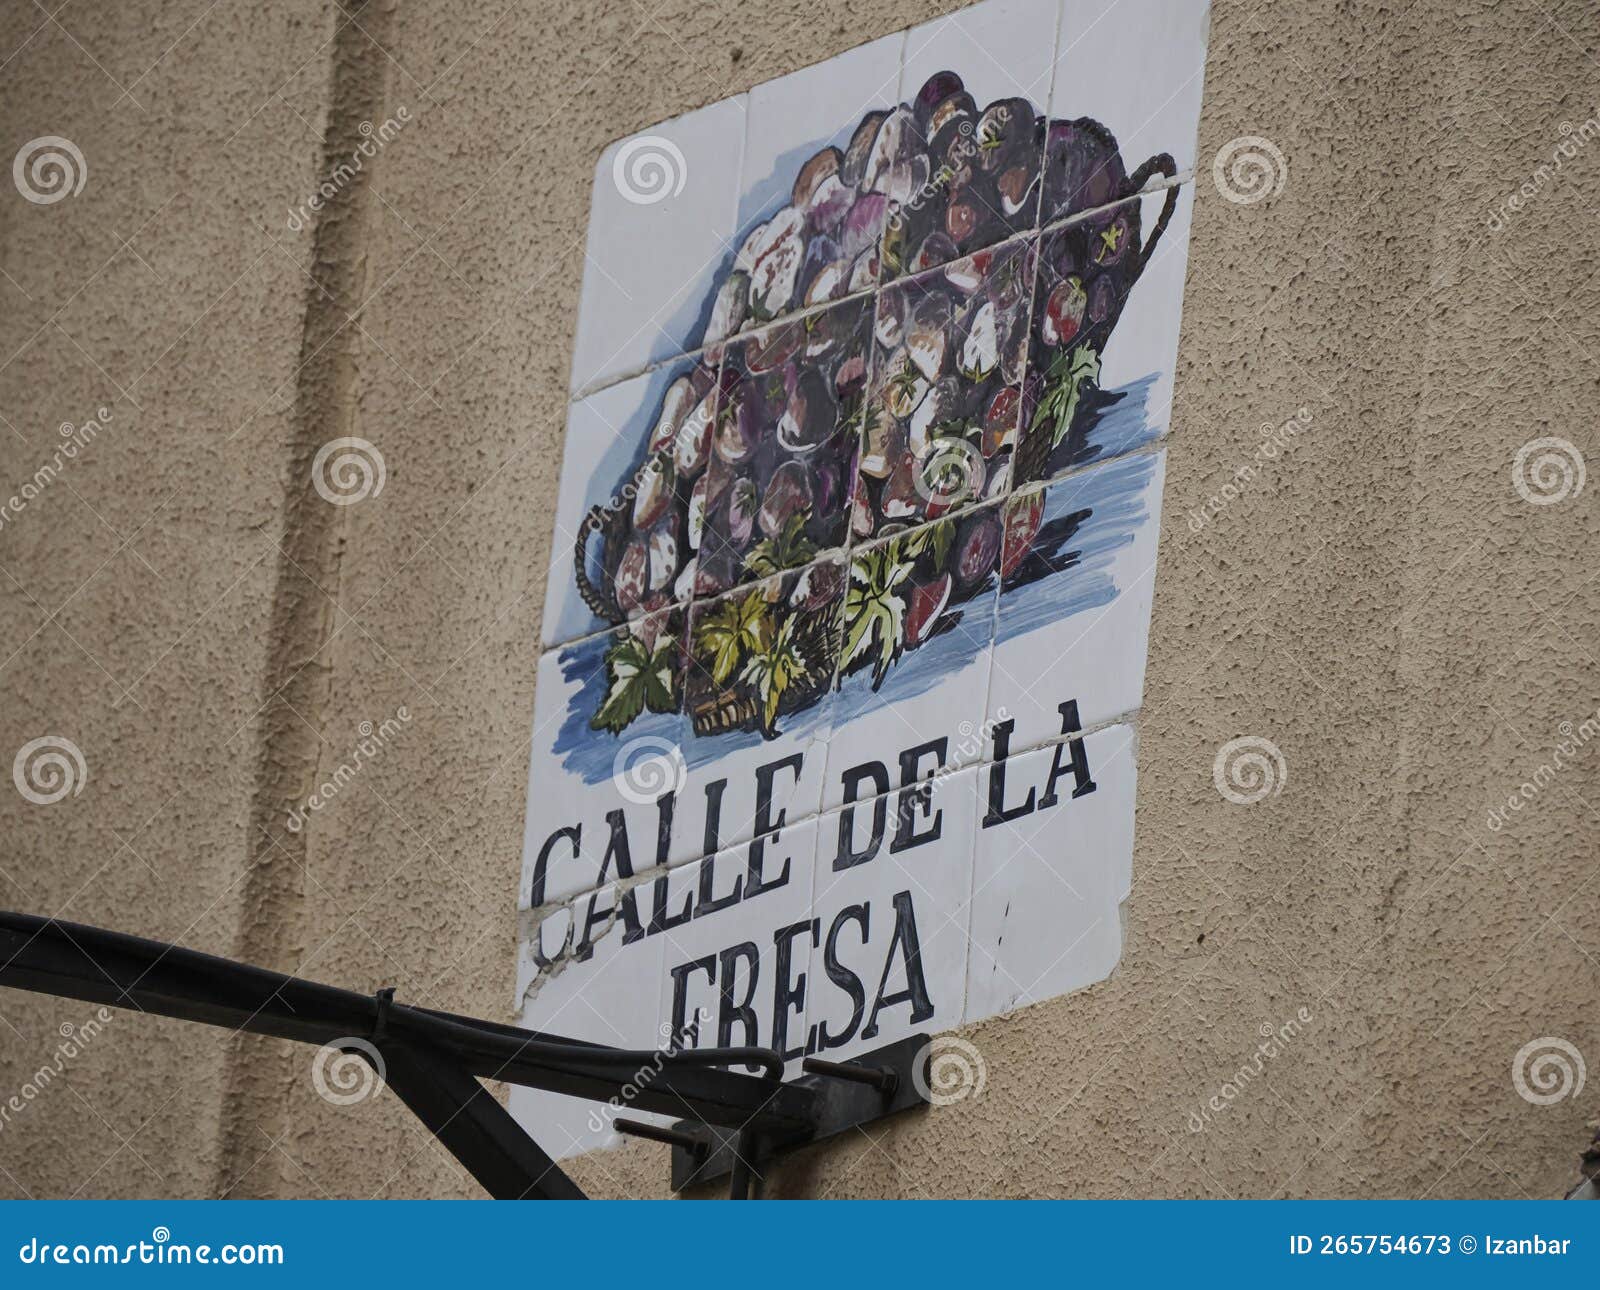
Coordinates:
(539, 956)
(765, 823)
(714, 792)
(917, 798)
(665, 805)
(767, 826)
(627, 909)
(911, 756)
(660, 919)
(787, 992)
(617, 849)
(741, 1013)
(541, 864)
(853, 779)
(708, 877)
(842, 976)
(998, 812)
(680, 995)
(1078, 759)
(916, 991)
(755, 882)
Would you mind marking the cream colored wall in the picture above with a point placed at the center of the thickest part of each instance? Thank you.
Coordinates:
(1379, 602)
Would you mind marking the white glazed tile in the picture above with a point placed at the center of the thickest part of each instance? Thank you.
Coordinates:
(1011, 903)
(976, 83)
(599, 802)
(1105, 324)
(1050, 871)
(725, 949)
(794, 117)
(607, 455)
(1136, 68)
(893, 879)
(945, 399)
(745, 776)
(1001, 50)
(729, 799)
(595, 952)
(924, 711)
(1074, 614)
(780, 482)
(661, 226)
(1141, 356)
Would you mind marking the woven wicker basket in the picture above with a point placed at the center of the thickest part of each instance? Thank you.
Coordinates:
(715, 709)
(610, 521)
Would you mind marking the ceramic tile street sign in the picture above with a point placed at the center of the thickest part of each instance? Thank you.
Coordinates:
(845, 631)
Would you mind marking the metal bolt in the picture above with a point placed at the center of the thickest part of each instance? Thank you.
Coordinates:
(672, 1137)
(879, 1077)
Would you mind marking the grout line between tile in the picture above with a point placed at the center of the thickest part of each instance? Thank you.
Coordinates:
(595, 387)
(531, 916)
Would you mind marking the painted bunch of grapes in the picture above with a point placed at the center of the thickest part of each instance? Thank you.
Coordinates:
(916, 334)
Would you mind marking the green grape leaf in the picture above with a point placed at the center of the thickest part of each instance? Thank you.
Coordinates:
(628, 663)
(661, 676)
(1064, 386)
(873, 608)
(789, 550)
(773, 669)
(729, 631)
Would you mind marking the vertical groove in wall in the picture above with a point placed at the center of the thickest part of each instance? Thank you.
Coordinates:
(304, 615)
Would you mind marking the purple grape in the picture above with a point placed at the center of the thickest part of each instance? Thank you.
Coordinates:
(1082, 168)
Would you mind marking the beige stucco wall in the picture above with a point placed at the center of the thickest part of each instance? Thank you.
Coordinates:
(1379, 602)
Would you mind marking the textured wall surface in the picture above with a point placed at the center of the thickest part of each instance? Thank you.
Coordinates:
(1378, 600)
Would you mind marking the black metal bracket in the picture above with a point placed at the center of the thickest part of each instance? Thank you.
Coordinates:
(472, 1125)
(433, 1060)
(847, 1095)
